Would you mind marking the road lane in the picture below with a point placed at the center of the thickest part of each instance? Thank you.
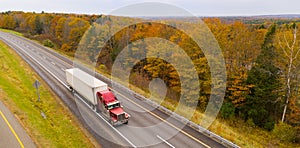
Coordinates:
(12, 134)
(153, 124)
(68, 99)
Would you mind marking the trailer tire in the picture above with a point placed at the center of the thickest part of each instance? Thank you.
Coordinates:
(126, 122)
(71, 89)
(97, 110)
(94, 108)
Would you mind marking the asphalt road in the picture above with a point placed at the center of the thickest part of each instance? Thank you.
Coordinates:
(12, 134)
(148, 127)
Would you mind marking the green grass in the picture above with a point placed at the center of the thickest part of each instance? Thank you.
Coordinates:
(11, 31)
(60, 128)
(234, 130)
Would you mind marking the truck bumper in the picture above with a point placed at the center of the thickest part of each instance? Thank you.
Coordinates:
(120, 122)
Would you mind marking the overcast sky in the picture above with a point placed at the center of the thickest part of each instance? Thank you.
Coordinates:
(196, 7)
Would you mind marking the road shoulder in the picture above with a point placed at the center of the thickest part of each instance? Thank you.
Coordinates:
(12, 132)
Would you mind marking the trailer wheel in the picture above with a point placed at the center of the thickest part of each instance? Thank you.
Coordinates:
(97, 110)
(94, 108)
(71, 89)
(126, 122)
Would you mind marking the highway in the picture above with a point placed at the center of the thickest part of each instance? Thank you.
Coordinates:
(148, 126)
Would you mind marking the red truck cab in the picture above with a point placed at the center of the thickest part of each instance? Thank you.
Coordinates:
(111, 107)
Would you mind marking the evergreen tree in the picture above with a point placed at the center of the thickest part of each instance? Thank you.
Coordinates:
(261, 101)
(38, 25)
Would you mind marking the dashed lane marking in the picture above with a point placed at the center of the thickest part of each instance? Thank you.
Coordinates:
(165, 141)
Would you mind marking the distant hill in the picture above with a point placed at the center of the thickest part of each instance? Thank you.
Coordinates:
(260, 19)
(286, 16)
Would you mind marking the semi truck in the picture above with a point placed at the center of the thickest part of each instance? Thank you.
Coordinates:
(97, 94)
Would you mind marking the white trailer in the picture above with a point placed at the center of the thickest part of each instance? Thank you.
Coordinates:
(85, 84)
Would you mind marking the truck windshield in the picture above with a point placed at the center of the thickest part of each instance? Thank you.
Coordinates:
(115, 105)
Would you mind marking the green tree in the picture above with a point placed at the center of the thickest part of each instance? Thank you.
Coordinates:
(38, 25)
(261, 102)
(227, 110)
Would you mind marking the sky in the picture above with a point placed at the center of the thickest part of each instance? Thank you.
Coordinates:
(196, 7)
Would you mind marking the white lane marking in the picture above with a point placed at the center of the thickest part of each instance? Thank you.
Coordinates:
(62, 69)
(160, 118)
(52, 63)
(165, 141)
(76, 95)
(130, 101)
(81, 99)
(39, 63)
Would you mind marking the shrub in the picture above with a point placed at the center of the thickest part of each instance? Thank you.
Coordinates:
(269, 125)
(227, 110)
(285, 132)
(297, 137)
(250, 122)
(48, 43)
(66, 47)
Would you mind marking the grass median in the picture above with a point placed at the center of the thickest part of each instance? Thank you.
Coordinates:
(60, 128)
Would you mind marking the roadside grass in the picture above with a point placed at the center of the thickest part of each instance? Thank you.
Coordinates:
(60, 128)
(235, 130)
(11, 31)
(245, 135)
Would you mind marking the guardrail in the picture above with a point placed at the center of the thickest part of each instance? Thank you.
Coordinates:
(171, 113)
(153, 104)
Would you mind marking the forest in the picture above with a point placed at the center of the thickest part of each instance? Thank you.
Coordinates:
(262, 59)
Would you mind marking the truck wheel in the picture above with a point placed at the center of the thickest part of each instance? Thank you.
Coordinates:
(112, 123)
(126, 122)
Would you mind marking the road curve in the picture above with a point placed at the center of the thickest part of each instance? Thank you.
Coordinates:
(148, 126)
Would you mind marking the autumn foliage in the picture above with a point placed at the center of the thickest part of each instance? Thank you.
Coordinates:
(258, 80)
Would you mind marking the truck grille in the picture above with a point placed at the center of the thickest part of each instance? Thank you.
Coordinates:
(121, 117)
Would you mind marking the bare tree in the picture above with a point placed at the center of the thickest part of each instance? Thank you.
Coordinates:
(291, 51)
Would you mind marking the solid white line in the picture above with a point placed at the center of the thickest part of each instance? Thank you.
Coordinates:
(130, 101)
(158, 117)
(118, 93)
(40, 64)
(76, 95)
(165, 141)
